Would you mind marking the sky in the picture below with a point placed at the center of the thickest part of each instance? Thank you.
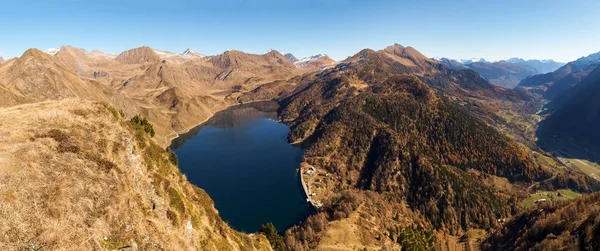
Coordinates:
(494, 30)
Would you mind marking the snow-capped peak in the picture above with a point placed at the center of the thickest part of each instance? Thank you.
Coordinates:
(472, 60)
(52, 51)
(306, 59)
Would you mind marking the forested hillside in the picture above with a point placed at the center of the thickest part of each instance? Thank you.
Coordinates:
(565, 225)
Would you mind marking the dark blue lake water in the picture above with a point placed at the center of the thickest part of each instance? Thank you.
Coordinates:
(241, 158)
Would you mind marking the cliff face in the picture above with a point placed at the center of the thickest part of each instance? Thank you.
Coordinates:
(76, 174)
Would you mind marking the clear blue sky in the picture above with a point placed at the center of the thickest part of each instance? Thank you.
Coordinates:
(561, 30)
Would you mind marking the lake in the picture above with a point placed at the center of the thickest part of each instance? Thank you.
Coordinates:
(242, 159)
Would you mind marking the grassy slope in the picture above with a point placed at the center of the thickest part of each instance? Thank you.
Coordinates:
(75, 174)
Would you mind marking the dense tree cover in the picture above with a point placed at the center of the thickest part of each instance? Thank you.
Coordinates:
(404, 139)
(400, 137)
(143, 122)
(418, 141)
(415, 238)
(172, 156)
(559, 225)
(274, 238)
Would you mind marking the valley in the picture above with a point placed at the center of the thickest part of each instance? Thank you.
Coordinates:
(299, 125)
(388, 149)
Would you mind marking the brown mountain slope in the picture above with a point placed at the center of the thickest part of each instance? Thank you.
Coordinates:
(409, 57)
(316, 63)
(239, 68)
(188, 55)
(76, 60)
(174, 96)
(75, 174)
(138, 55)
(37, 76)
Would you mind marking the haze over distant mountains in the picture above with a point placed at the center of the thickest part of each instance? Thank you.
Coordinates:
(505, 73)
(542, 66)
(552, 84)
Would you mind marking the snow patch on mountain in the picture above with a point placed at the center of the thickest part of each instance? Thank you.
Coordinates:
(52, 51)
(472, 60)
(311, 58)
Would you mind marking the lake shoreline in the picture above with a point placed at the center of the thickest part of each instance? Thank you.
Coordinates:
(265, 179)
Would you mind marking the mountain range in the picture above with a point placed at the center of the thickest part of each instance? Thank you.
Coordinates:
(175, 91)
(552, 84)
(316, 62)
(419, 153)
(505, 73)
(542, 66)
(573, 114)
(384, 125)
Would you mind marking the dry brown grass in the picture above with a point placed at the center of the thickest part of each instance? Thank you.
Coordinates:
(73, 177)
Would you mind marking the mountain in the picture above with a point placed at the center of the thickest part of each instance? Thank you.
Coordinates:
(550, 85)
(542, 66)
(237, 68)
(593, 58)
(76, 89)
(138, 55)
(1, 60)
(291, 57)
(503, 73)
(406, 148)
(96, 54)
(452, 64)
(409, 57)
(37, 76)
(316, 62)
(397, 132)
(472, 60)
(174, 95)
(190, 53)
(186, 56)
(84, 176)
(52, 51)
(573, 117)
